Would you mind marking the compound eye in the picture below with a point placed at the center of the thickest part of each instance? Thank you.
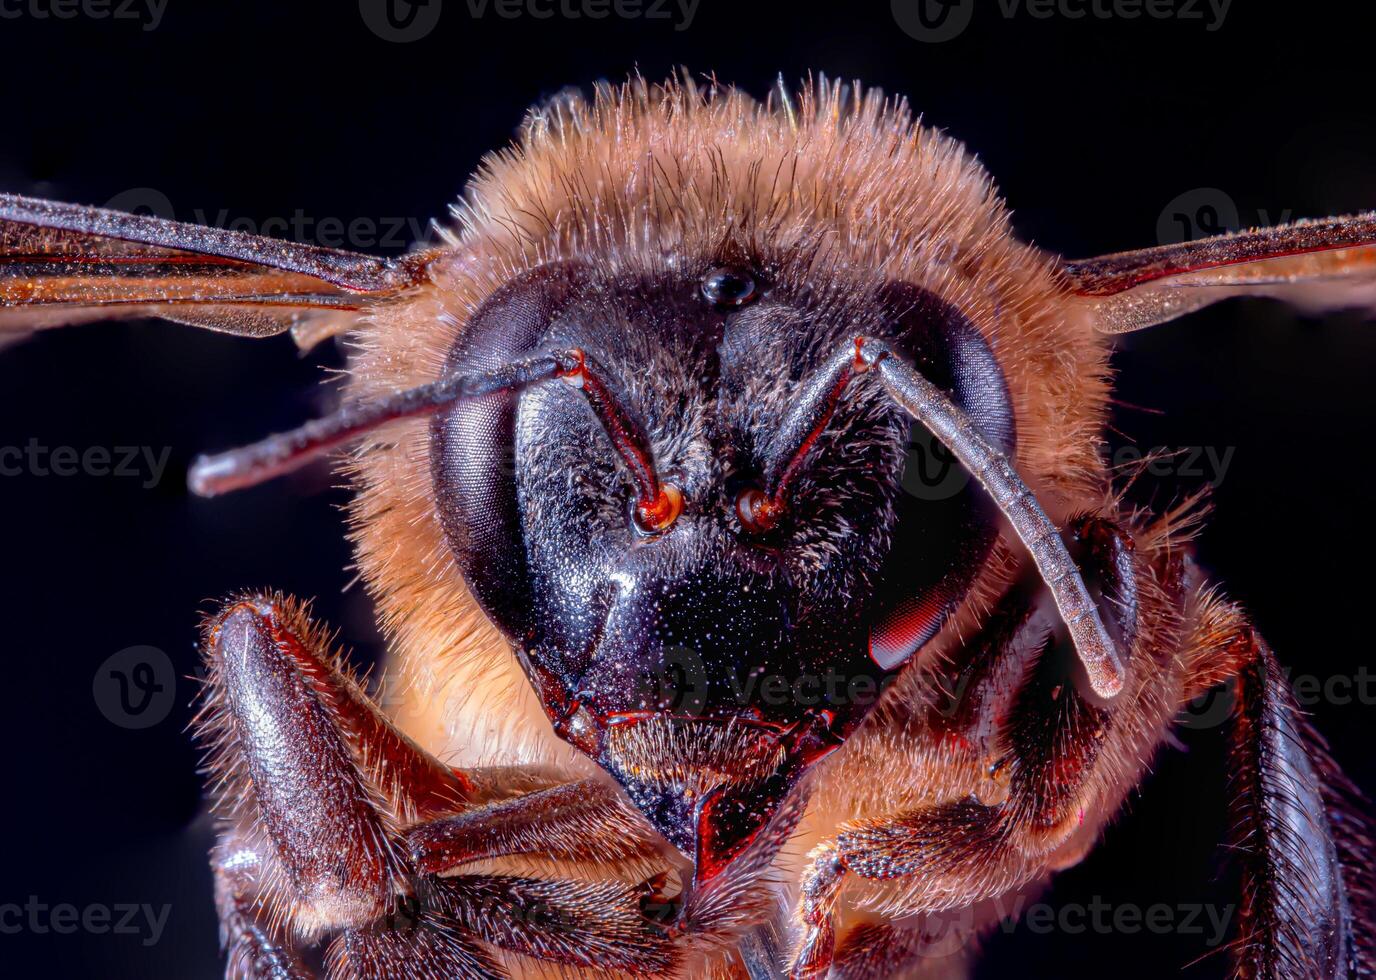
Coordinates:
(728, 287)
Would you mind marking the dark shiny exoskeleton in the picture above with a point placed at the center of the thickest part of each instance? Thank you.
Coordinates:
(709, 623)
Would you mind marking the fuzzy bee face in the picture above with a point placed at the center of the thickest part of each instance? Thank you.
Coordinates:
(790, 631)
(711, 257)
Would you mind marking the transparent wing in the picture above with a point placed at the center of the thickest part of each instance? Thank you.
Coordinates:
(1319, 265)
(64, 263)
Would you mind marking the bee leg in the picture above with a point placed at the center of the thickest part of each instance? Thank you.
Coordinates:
(587, 820)
(935, 842)
(312, 783)
(964, 847)
(253, 945)
(447, 926)
(608, 926)
(407, 944)
(317, 788)
(1300, 829)
(883, 950)
(1021, 714)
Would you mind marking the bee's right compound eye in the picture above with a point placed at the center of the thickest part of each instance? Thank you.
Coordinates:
(728, 287)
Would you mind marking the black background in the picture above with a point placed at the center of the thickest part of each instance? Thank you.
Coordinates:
(1092, 126)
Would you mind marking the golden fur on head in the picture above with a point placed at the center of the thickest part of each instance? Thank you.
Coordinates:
(833, 182)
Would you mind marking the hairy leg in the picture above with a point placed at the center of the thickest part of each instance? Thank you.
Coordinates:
(936, 951)
(1300, 828)
(1024, 708)
(254, 945)
(586, 820)
(960, 852)
(317, 792)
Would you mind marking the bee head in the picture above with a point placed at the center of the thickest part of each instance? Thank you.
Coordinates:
(707, 653)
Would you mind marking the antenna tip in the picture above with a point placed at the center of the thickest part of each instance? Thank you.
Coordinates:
(206, 476)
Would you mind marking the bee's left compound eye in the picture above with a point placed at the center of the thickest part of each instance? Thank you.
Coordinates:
(728, 287)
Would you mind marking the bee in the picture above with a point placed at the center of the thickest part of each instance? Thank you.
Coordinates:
(682, 681)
